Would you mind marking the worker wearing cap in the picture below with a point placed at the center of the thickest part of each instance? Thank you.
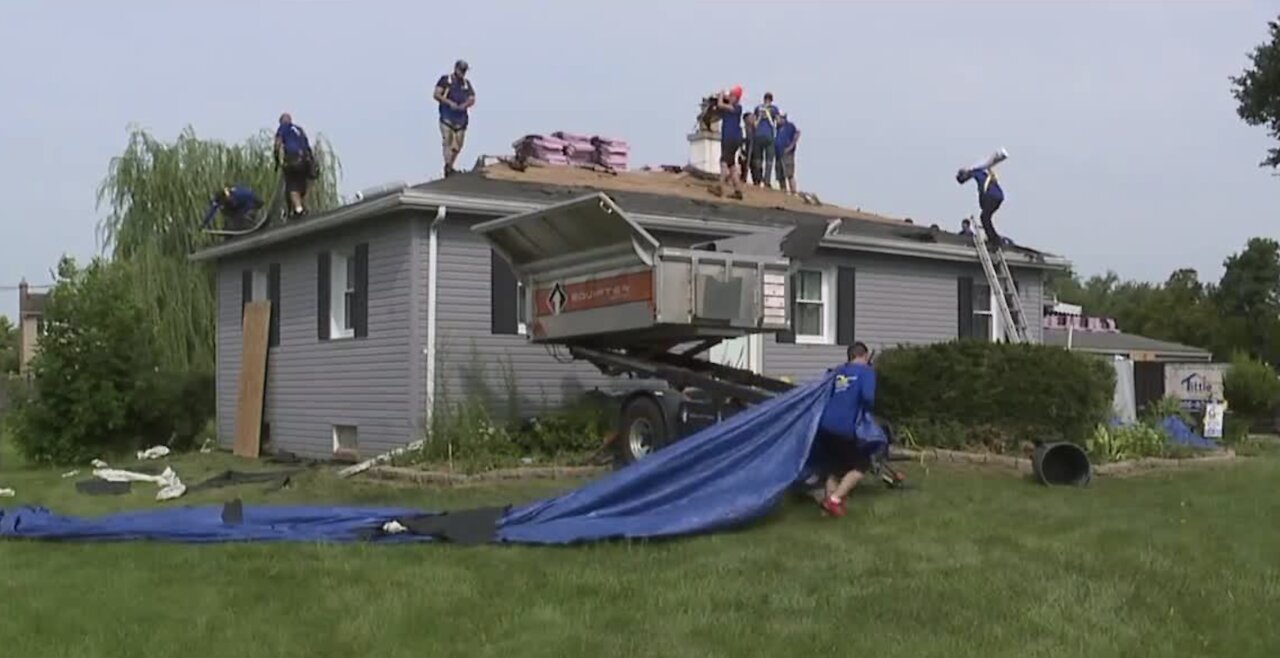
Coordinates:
(731, 135)
(785, 146)
(455, 95)
(841, 449)
(238, 203)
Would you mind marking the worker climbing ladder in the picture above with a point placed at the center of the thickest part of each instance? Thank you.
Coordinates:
(1003, 287)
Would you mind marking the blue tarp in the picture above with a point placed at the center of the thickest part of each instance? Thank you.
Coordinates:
(1181, 434)
(726, 475)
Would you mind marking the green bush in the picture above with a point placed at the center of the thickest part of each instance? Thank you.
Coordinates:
(997, 395)
(1251, 387)
(1109, 444)
(96, 388)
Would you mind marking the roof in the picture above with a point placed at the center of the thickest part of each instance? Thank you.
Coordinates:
(657, 199)
(1110, 342)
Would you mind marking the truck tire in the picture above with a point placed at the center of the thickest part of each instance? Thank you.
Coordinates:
(642, 429)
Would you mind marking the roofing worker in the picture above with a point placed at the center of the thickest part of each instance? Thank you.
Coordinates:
(455, 95)
(990, 194)
(966, 228)
(293, 154)
(784, 144)
(841, 446)
(237, 203)
(764, 124)
(730, 108)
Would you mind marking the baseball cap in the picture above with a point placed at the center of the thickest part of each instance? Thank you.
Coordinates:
(461, 64)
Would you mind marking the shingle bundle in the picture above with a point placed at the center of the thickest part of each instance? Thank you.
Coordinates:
(564, 148)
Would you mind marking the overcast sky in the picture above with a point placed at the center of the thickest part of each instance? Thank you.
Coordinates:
(1126, 152)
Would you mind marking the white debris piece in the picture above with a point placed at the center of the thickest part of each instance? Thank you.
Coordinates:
(394, 528)
(70, 474)
(154, 452)
(207, 446)
(7, 493)
(98, 463)
(170, 485)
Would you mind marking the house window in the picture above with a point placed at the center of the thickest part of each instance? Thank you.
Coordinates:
(345, 440)
(259, 285)
(812, 307)
(984, 317)
(342, 288)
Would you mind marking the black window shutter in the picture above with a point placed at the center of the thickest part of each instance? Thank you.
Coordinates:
(964, 306)
(246, 291)
(273, 294)
(360, 314)
(322, 295)
(502, 299)
(845, 299)
(789, 336)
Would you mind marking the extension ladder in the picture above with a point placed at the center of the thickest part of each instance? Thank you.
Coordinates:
(1003, 287)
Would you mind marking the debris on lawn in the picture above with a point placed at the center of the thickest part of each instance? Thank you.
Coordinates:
(170, 485)
(208, 446)
(7, 493)
(278, 479)
(98, 463)
(154, 452)
(70, 474)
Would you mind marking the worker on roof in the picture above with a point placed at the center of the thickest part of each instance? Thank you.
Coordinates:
(730, 108)
(293, 155)
(456, 96)
(966, 228)
(238, 204)
(784, 144)
(764, 123)
(990, 194)
(847, 436)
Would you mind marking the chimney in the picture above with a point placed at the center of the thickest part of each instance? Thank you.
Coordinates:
(704, 146)
(22, 296)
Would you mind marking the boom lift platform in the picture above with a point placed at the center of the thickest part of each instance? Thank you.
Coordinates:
(600, 286)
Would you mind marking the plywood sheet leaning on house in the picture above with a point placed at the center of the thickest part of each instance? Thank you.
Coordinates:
(253, 379)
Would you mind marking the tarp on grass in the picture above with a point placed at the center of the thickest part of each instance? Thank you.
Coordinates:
(724, 476)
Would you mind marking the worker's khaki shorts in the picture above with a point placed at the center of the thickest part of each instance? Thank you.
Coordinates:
(453, 138)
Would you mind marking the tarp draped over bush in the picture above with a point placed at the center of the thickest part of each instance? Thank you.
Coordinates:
(993, 394)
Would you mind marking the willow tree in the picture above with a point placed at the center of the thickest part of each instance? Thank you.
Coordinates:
(157, 193)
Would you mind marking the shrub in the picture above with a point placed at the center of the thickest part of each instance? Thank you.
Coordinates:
(993, 394)
(1109, 444)
(96, 388)
(1251, 387)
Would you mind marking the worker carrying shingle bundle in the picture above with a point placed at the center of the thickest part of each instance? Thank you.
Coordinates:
(990, 194)
(729, 106)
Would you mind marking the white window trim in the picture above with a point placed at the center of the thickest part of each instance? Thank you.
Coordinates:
(827, 337)
(339, 263)
(522, 328)
(996, 333)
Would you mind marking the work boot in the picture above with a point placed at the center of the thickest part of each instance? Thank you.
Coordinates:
(834, 507)
(737, 194)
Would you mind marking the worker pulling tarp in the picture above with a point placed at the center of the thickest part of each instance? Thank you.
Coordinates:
(724, 476)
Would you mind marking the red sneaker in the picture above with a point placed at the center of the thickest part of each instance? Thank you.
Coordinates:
(833, 507)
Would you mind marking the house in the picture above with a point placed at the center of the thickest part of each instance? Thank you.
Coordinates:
(30, 324)
(389, 303)
(1066, 327)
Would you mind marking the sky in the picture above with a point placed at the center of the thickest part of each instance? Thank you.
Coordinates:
(1126, 153)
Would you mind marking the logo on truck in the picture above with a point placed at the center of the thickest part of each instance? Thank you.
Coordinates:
(597, 293)
(557, 298)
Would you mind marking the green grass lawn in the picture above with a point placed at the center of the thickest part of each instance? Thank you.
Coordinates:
(971, 563)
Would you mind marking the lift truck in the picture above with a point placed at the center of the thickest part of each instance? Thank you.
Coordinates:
(600, 286)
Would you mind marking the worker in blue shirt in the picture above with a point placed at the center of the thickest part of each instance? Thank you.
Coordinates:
(765, 124)
(237, 203)
(784, 144)
(293, 155)
(990, 194)
(838, 447)
(455, 95)
(729, 106)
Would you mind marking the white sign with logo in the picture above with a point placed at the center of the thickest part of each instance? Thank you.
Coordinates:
(1214, 413)
(1194, 383)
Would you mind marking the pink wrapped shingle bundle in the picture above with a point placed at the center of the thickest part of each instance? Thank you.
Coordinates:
(550, 150)
(578, 148)
(612, 153)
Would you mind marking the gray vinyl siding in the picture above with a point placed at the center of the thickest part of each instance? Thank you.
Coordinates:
(474, 364)
(898, 301)
(313, 385)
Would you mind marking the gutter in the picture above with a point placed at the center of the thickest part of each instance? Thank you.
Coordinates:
(500, 207)
(433, 269)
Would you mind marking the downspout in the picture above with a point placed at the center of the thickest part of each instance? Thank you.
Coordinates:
(433, 250)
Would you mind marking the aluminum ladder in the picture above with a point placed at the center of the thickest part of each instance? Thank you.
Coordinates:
(1008, 302)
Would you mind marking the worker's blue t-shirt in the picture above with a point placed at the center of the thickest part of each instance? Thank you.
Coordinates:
(854, 392)
(786, 136)
(294, 140)
(731, 124)
(988, 185)
(458, 90)
(242, 197)
(766, 121)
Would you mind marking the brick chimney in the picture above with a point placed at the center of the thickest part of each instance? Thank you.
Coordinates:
(704, 146)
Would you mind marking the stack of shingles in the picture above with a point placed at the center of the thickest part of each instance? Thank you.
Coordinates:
(563, 148)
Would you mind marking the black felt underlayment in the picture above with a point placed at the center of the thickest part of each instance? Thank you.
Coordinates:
(231, 478)
(103, 488)
(464, 527)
